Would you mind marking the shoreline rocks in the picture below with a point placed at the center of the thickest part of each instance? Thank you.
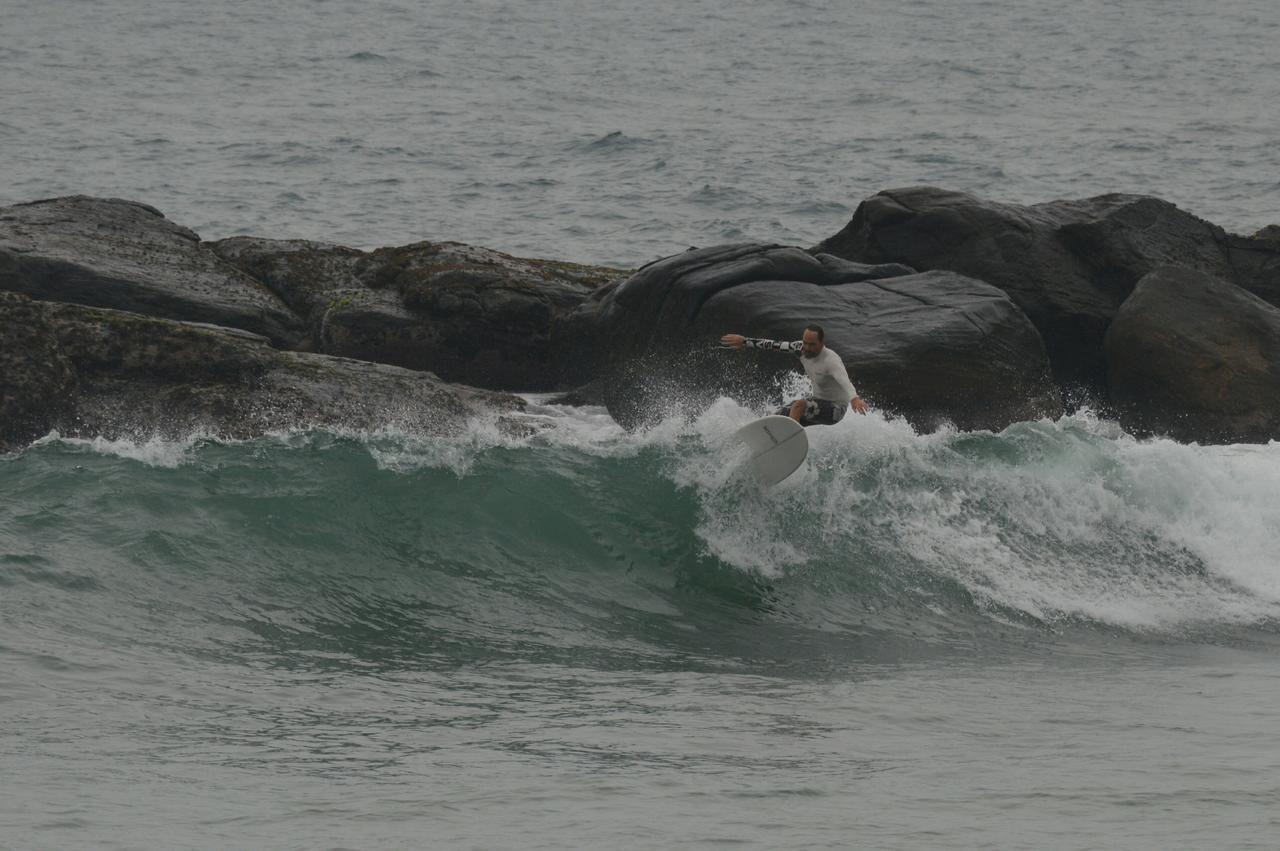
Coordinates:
(945, 307)
(113, 373)
(469, 314)
(105, 252)
(1069, 265)
(36, 379)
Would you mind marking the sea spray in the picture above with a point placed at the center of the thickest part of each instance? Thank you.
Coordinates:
(1049, 522)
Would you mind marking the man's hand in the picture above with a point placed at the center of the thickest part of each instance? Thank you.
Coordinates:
(858, 405)
(733, 341)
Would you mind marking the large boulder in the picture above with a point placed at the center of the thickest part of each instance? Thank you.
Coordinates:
(119, 254)
(651, 310)
(120, 373)
(1068, 264)
(934, 347)
(468, 314)
(1197, 358)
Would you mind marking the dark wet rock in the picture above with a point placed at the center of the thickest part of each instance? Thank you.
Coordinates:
(1196, 357)
(1068, 264)
(590, 394)
(934, 347)
(119, 254)
(468, 314)
(36, 380)
(651, 310)
(1256, 262)
(306, 275)
(963, 340)
(137, 375)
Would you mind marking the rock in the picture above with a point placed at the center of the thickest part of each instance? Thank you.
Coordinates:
(120, 254)
(1196, 357)
(652, 308)
(1068, 264)
(590, 394)
(141, 376)
(934, 347)
(36, 380)
(1256, 263)
(306, 275)
(468, 314)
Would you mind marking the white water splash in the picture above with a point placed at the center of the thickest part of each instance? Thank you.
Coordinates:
(152, 451)
(1054, 519)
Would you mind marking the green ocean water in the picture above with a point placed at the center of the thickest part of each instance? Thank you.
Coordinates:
(1056, 636)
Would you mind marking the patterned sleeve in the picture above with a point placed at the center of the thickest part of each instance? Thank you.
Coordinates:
(778, 345)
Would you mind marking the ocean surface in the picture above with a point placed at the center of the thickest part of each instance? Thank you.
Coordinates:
(1052, 637)
(613, 132)
(1057, 636)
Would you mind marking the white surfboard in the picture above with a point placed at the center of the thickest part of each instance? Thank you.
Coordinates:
(778, 446)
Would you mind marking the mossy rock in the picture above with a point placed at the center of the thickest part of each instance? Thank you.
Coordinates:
(106, 252)
(37, 380)
(468, 313)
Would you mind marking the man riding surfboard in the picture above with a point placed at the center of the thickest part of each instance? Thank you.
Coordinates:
(833, 392)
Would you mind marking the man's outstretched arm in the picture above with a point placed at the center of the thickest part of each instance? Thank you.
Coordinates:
(737, 341)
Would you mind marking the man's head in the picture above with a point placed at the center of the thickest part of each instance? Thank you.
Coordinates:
(814, 340)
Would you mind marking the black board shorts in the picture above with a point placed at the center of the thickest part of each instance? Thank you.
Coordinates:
(818, 412)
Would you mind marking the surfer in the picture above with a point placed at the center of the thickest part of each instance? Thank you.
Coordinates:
(833, 392)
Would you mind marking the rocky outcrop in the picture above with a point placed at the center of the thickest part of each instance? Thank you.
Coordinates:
(468, 314)
(933, 347)
(36, 380)
(106, 252)
(1068, 264)
(944, 307)
(1196, 357)
(106, 372)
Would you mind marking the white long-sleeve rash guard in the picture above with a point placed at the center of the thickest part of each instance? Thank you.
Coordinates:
(825, 370)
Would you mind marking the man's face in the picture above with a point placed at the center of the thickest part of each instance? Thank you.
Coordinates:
(812, 345)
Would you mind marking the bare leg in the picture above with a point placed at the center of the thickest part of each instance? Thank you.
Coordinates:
(797, 410)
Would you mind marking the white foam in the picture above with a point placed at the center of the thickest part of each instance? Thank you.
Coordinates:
(1054, 519)
(152, 451)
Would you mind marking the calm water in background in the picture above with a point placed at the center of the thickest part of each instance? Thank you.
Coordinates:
(618, 132)
(1055, 637)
